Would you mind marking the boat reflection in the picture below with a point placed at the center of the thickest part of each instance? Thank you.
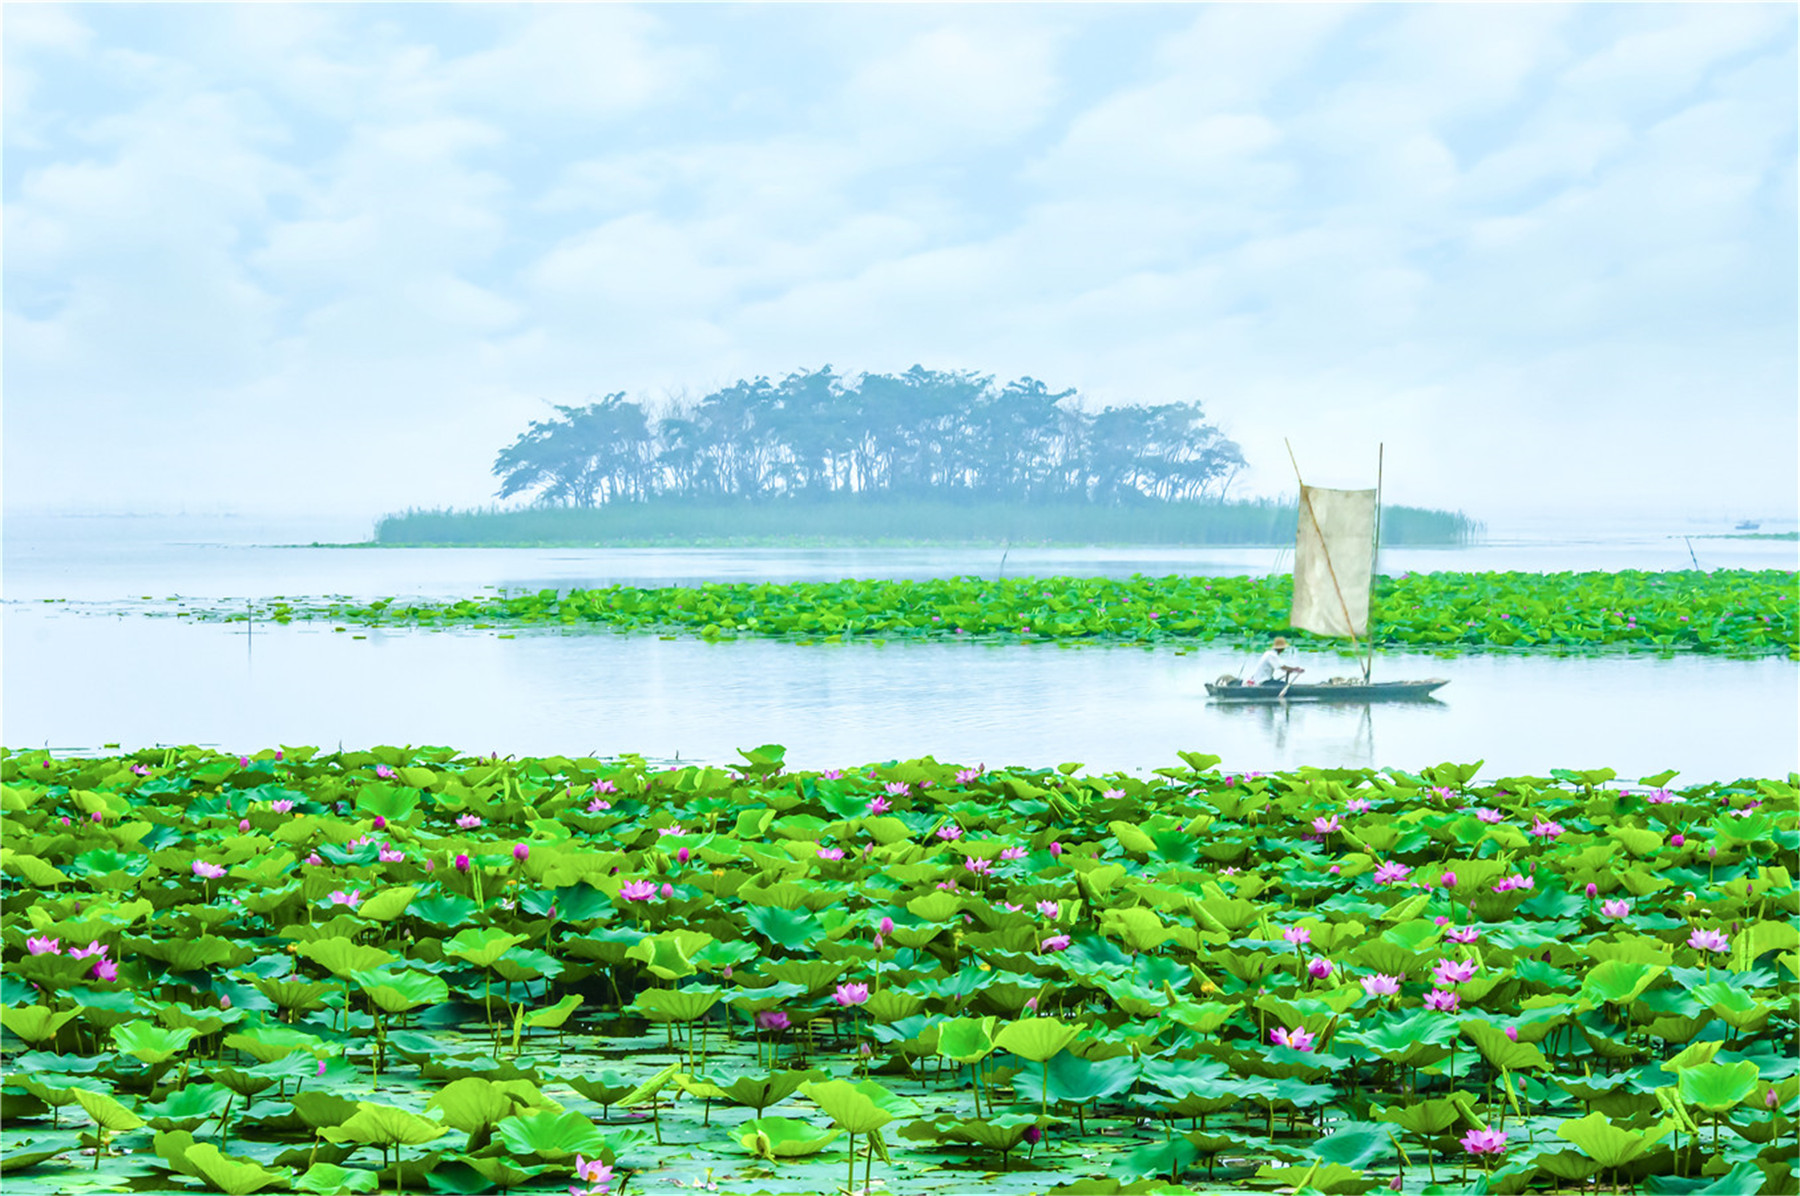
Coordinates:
(1317, 732)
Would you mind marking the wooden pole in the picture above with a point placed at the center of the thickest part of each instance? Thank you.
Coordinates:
(1374, 563)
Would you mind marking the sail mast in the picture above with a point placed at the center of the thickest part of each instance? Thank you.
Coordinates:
(1374, 563)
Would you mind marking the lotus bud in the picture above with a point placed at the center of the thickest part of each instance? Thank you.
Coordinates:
(380, 823)
(1769, 1101)
(1593, 890)
(1677, 839)
(430, 865)
(684, 855)
(1056, 849)
(887, 926)
(668, 891)
(520, 852)
(1033, 1135)
(1512, 1033)
(462, 862)
(224, 1002)
(1449, 880)
(243, 824)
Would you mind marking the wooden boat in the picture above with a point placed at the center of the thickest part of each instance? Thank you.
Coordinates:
(1343, 690)
(1335, 548)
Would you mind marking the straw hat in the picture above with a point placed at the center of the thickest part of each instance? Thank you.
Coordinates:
(1280, 642)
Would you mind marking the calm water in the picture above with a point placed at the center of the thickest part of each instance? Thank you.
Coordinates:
(95, 671)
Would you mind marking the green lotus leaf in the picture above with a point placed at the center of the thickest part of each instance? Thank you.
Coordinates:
(21, 1160)
(792, 929)
(188, 1106)
(1718, 1087)
(108, 1113)
(234, 1177)
(151, 1043)
(679, 1004)
(858, 1108)
(553, 1017)
(396, 990)
(1501, 1051)
(341, 957)
(472, 1104)
(36, 1023)
(1608, 1145)
(605, 1090)
(329, 1179)
(320, 1110)
(783, 1137)
(1731, 1004)
(1619, 982)
(386, 1125)
(482, 947)
(272, 1042)
(966, 1039)
(549, 1136)
(386, 801)
(648, 1089)
(1036, 1038)
(1077, 1081)
(388, 904)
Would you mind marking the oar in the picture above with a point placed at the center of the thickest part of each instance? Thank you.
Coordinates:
(1284, 686)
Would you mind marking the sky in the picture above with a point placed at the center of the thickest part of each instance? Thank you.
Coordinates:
(332, 258)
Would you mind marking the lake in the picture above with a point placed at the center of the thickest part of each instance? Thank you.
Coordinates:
(95, 671)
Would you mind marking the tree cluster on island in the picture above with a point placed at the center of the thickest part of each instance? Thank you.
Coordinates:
(921, 434)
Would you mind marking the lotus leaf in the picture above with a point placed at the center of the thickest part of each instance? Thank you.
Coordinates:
(549, 1135)
(386, 1125)
(783, 1138)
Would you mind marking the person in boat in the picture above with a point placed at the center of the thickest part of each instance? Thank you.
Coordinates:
(1270, 663)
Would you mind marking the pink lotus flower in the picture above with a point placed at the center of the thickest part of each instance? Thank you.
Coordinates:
(469, 822)
(878, 806)
(1463, 934)
(968, 776)
(1709, 940)
(1448, 880)
(1444, 1002)
(1357, 805)
(1391, 873)
(665, 831)
(1012, 853)
(207, 871)
(383, 771)
(1446, 972)
(831, 853)
(1297, 935)
(895, 788)
(1512, 1034)
(1299, 1038)
(94, 948)
(351, 899)
(949, 831)
(1592, 890)
(1480, 1142)
(1056, 942)
(1616, 909)
(1515, 881)
(380, 823)
(604, 786)
(832, 774)
(105, 970)
(43, 945)
(1318, 967)
(1113, 794)
(1056, 849)
(638, 890)
(314, 859)
(1677, 840)
(388, 855)
(1546, 830)
(668, 890)
(140, 770)
(1662, 797)
(521, 852)
(1380, 985)
(851, 994)
(597, 805)
(1487, 815)
(683, 855)
(1049, 909)
(978, 865)
(887, 926)
(462, 861)
(772, 1019)
(1325, 826)
(281, 805)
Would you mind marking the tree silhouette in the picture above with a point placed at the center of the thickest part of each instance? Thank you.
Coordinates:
(816, 435)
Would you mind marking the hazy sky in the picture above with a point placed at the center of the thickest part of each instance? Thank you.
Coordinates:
(332, 258)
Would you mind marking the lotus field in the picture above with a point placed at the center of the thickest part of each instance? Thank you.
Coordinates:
(1742, 613)
(410, 970)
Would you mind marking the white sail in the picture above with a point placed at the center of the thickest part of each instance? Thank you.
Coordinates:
(1334, 561)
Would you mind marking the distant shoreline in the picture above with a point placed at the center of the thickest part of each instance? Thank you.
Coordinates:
(783, 524)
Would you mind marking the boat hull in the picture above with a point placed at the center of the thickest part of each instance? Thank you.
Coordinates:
(1377, 691)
